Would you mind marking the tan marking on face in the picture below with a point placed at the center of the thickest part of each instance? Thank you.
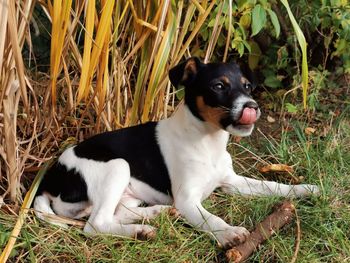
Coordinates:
(244, 80)
(190, 69)
(212, 115)
(225, 80)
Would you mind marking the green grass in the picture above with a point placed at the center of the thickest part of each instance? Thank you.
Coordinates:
(325, 220)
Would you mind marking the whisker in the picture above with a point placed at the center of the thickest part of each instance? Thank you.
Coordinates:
(225, 108)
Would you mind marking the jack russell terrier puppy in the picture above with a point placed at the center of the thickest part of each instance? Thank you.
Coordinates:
(178, 161)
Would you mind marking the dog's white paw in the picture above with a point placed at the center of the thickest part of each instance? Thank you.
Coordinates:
(313, 189)
(232, 236)
(174, 212)
(306, 189)
(145, 232)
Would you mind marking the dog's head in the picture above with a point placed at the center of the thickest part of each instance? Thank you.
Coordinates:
(218, 93)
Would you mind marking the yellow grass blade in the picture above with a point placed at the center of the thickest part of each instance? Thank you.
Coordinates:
(138, 86)
(199, 7)
(142, 39)
(141, 107)
(101, 34)
(194, 32)
(60, 22)
(123, 14)
(144, 61)
(9, 110)
(140, 21)
(89, 31)
(26, 11)
(79, 8)
(214, 36)
(179, 8)
(27, 202)
(103, 82)
(12, 28)
(228, 38)
(159, 65)
(302, 43)
(3, 23)
(102, 78)
(155, 49)
(50, 7)
(184, 28)
(55, 15)
(70, 100)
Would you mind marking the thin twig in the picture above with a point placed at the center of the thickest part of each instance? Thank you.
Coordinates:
(298, 237)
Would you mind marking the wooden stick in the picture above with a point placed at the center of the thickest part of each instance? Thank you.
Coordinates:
(281, 216)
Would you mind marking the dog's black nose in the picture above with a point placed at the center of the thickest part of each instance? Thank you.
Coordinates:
(251, 104)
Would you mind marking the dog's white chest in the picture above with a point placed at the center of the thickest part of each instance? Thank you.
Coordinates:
(211, 174)
(194, 155)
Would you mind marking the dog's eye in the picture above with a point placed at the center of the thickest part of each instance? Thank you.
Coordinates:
(218, 86)
(248, 86)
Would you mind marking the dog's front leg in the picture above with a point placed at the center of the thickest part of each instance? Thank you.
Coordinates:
(235, 184)
(189, 205)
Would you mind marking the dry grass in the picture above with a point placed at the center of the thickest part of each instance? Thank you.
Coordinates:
(119, 77)
(324, 220)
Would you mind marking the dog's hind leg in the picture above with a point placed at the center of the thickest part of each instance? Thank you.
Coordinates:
(105, 198)
(43, 210)
(127, 212)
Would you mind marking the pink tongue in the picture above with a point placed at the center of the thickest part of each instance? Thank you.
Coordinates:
(248, 116)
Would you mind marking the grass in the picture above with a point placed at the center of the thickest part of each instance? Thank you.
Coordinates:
(322, 159)
(139, 42)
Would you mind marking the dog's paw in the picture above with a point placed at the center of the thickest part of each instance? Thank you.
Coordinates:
(145, 232)
(232, 236)
(313, 189)
(174, 212)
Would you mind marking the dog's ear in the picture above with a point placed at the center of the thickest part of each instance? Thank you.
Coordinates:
(184, 73)
(248, 74)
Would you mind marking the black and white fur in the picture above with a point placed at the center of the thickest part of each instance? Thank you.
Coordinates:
(178, 161)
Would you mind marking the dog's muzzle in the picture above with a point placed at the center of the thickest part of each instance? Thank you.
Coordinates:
(249, 113)
(244, 119)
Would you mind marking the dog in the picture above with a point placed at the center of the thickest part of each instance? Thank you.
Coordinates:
(177, 161)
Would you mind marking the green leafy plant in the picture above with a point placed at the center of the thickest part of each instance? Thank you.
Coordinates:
(248, 18)
(326, 24)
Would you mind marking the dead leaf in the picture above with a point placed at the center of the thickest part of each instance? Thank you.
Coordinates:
(326, 131)
(288, 129)
(270, 119)
(284, 168)
(309, 130)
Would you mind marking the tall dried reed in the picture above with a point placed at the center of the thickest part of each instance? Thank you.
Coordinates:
(108, 69)
(116, 78)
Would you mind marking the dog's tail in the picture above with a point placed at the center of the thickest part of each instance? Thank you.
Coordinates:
(43, 210)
